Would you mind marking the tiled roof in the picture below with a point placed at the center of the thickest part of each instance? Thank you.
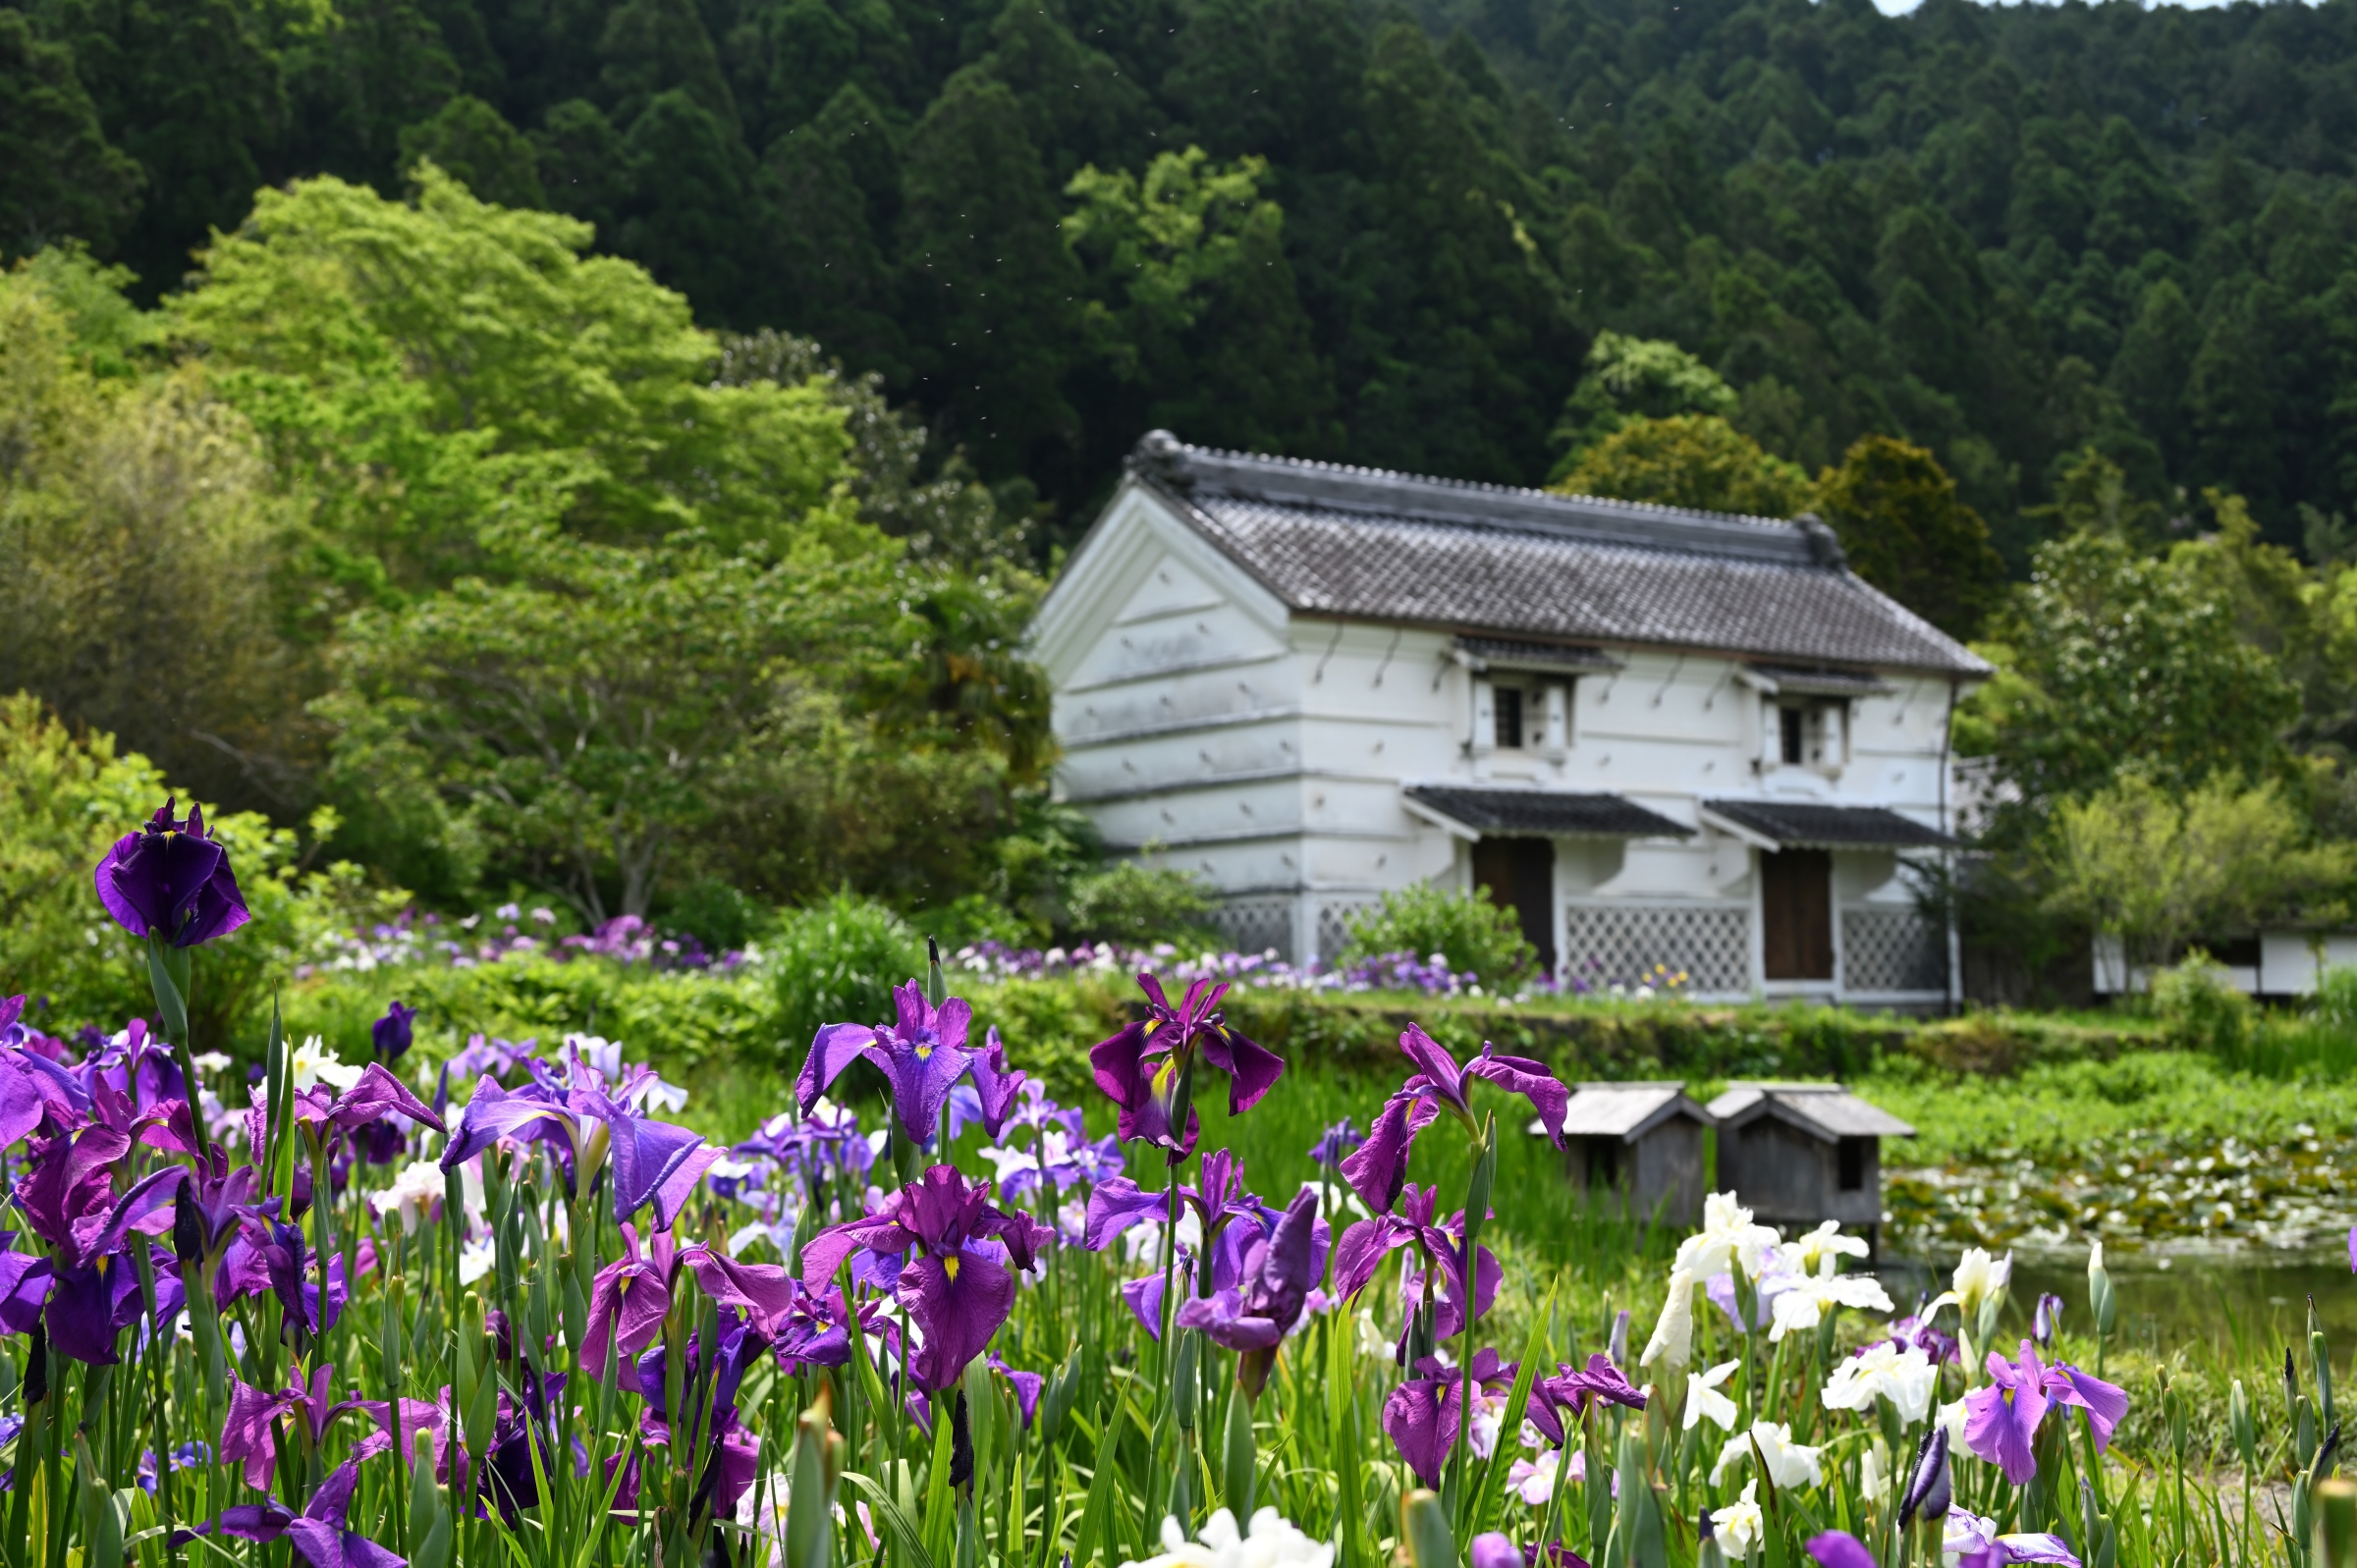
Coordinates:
(1801, 822)
(1828, 1110)
(1367, 544)
(1545, 811)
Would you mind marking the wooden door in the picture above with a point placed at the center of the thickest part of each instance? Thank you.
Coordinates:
(1796, 907)
(1520, 876)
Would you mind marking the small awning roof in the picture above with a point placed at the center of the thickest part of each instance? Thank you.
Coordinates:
(1509, 653)
(1471, 813)
(1826, 1110)
(1627, 1110)
(1799, 825)
(1797, 682)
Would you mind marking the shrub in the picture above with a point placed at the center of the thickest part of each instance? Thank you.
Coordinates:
(1137, 907)
(63, 799)
(715, 914)
(1470, 931)
(2200, 1011)
(837, 962)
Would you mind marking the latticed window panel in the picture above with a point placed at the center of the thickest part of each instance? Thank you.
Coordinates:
(1891, 950)
(1333, 925)
(1621, 944)
(1255, 925)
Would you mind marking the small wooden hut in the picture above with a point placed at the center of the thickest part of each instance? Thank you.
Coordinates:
(1641, 1142)
(1795, 1154)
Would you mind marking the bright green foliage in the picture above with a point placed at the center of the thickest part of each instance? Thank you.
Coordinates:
(430, 368)
(1192, 309)
(139, 534)
(837, 962)
(1905, 530)
(1691, 459)
(1136, 906)
(1634, 378)
(2109, 658)
(2202, 1009)
(2156, 868)
(580, 723)
(63, 799)
(1468, 931)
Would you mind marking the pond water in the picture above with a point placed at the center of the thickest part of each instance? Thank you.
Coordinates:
(2260, 1294)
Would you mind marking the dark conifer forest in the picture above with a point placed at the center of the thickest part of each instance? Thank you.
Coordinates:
(1344, 228)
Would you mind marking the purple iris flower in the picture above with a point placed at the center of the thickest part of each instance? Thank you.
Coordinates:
(391, 1034)
(1335, 1142)
(170, 880)
(922, 1054)
(1422, 1414)
(2047, 1320)
(951, 1250)
(1028, 1387)
(1253, 1315)
(1930, 1490)
(2000, 1418)
(1120, 1203)
(293, 1281)
(1572, 1390)
(322, 1533)
(1838, 1548)
(1441, 1247)
(377, 1093)
(630, 1297)
(136, 1064)
(250, 1435)
(1491, 1549)
(1978, 1543)
(995, 1084)
(654, 1163)
(1141, 1067)
(1378, 1166)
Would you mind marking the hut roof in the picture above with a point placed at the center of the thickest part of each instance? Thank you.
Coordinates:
(1826, 1110)
(1627, 1110)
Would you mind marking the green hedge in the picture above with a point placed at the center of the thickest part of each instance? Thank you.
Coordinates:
(696, 1024)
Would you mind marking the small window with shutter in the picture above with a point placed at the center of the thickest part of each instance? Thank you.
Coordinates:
(1507, 704)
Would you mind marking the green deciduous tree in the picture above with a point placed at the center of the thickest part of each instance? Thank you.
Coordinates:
(1192, 309)
(1905, 531)
(1690, 461)
(2155, 867)
(2109, 658)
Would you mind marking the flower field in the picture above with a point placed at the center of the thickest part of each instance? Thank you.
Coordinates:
(502, 1309)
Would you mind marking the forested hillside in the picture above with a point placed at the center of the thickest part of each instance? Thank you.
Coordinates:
(1343, 229)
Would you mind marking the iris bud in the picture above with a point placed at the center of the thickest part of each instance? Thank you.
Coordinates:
(2246, 1429)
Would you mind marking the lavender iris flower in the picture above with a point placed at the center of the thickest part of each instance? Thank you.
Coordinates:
(922, 1054)
(391, 1034)
(2000, 1418)
(951, 1250)
(1422, 1414)
(170, 880)
(1142, 1067)
(1378, 1168)
(1977, 1542)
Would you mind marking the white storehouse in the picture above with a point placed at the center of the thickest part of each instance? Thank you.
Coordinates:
(1664, 737)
